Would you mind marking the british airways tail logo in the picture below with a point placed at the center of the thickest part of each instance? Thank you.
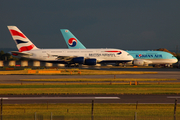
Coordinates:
(16, 33)
(72, 42)
(26, 48)
(20, 41)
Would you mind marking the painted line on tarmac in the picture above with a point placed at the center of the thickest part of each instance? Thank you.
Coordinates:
(55, 98)
(107, 98)
(3, 98)
(174, 97)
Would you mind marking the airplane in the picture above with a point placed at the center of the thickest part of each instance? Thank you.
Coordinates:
(66, 56)
(141, 58)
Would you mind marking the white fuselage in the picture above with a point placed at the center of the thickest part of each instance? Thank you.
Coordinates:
(115, 55)
(161, 61)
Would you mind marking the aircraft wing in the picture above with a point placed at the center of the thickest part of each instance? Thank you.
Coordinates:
(16, 53)
(66, 58)
(63, 58)
(147, 61)
(69, 58)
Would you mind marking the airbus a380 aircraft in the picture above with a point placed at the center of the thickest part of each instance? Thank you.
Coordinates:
(66, 56)
(140, 57)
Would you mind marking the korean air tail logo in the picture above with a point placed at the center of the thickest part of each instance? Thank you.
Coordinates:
(72, 42)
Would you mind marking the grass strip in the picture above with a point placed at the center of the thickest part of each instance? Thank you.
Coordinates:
(83, 111)
(89, 89)
(74, 72)
(99, 79)
(90, 83)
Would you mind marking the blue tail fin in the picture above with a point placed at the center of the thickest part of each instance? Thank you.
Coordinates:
(71, 41)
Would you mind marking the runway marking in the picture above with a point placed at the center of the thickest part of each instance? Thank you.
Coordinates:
(107, 98)
(60, 98)
(3, 98)
(173, 97)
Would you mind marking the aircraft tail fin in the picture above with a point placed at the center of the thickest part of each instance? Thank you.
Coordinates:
(22, 42)
(71, 41)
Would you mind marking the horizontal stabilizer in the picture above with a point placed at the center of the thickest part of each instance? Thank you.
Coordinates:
(16, 53)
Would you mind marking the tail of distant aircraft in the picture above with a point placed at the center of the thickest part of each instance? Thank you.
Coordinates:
(71, 41)
(22, 42)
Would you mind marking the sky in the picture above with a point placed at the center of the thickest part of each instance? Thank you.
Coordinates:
(121, 24)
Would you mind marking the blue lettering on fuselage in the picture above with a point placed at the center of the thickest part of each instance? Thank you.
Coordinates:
(158, 56)
(104, 54)
(95, 55)
(148, 56)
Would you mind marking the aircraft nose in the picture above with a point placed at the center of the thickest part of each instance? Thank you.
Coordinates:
(130, 57)
(176, 60)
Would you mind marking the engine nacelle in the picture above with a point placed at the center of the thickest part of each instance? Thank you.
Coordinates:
(90, 62)
(138, 62)
(79, 60)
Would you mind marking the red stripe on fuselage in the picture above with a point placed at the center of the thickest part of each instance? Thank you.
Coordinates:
(16, 33)
(26, 48)
(112, 51)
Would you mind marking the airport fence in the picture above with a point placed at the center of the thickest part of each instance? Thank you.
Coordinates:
(86, 111)
(39, 116)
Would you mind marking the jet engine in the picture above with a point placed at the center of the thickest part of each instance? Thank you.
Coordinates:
(90, 62)
(138, 62)
(141, 62)
(79, 60)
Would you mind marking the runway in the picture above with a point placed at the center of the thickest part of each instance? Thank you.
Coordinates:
(171, 74)
(122, 99)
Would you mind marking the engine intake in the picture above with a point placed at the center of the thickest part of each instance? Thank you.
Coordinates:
(79, 60)
(90, 62)
(138, 62)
